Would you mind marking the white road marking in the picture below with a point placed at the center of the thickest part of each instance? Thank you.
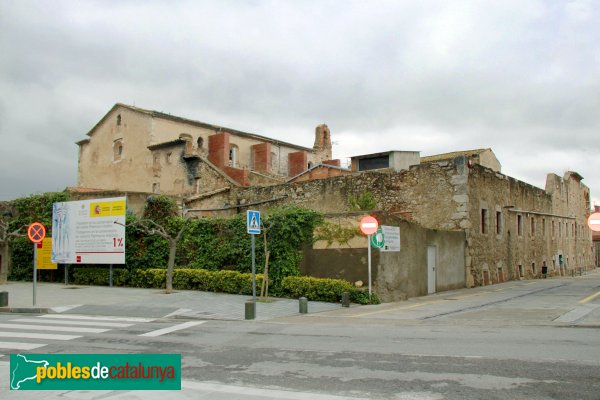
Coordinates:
(53, 328)
(62, 309)
(74, 322)
(577, 313)
(170, 329)
(97, 317)
(20, 346)
(32, 335)
(179, 311)
(244, 391)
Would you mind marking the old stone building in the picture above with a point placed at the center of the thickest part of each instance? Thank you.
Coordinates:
(511, 229)
(132, 149)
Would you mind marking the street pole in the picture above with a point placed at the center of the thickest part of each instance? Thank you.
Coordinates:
(34, 272)
(369, 256)
(253, 275)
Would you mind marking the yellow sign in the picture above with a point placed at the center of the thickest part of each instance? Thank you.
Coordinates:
(107, 208)
(44, 255)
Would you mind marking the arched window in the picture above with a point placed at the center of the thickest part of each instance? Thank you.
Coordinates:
(117, 149)
(119, 120)
(200, 142)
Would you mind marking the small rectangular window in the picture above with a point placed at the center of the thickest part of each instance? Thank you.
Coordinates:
(559, 229)
(484, 221)
(519, 225)
(498, 223)
(544, 227)
(532, 226)
(553, 229)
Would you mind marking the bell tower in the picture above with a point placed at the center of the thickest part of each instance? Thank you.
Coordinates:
(322, 146)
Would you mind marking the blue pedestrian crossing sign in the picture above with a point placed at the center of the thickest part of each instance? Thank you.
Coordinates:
(253, 222)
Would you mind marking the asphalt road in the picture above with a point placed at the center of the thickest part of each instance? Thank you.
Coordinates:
(519, 340)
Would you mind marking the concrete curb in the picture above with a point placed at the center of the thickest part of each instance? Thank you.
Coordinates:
(26, 310)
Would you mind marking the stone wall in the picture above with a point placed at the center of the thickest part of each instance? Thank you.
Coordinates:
(511, 234)
(395, 275)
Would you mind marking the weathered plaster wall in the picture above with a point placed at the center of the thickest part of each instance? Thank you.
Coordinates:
(98, 167)
(116, 155)
(395, 275)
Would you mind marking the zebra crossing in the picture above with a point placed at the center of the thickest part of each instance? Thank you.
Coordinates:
(29, 333)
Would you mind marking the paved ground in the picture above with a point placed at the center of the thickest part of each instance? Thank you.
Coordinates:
(117, 301)
(533, 339)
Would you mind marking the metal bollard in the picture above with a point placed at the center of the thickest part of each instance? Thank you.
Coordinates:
(3, 299)
(303, 305)
(345, 299)
(250, 309)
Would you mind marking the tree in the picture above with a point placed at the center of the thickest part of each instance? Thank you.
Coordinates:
(6, 235)
(173, 236)
(160, 218)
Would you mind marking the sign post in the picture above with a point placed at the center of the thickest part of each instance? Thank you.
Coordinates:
(368, 226)
(253, 228)
(36, 233)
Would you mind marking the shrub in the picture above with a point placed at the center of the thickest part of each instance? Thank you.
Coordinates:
(322, 289)
(232, 282)
(99, 276)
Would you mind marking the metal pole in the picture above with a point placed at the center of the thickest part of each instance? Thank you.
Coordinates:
(369, 256)
(34, 272)
(253, 273)
(110, 276)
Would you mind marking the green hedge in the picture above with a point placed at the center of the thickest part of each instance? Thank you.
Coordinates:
(316, 289)
(183, 279)
(322, 289)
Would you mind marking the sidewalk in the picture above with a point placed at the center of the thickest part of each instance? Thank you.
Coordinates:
(149, 303)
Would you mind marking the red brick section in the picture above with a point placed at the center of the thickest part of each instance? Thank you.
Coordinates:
(335, 163)
(297, 163)
(320, 173)
(241, 176)
(218, 149)
(261, 154)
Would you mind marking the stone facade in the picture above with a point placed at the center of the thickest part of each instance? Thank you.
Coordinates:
(513, 230)
(132, 149)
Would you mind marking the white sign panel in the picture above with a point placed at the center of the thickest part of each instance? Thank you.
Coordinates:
(391, 238)
(253, 222)
(89, 231)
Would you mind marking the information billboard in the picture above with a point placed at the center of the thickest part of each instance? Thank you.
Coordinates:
(89, 231)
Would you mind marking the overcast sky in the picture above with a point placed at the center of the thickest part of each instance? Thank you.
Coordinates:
(521, 77)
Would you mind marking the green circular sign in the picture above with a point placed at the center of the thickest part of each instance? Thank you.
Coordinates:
(377, 239)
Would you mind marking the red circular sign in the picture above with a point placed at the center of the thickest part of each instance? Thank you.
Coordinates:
(36, 232)
(368, 225)
(594, 222)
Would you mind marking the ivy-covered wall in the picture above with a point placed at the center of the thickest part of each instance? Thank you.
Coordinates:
(207, 243)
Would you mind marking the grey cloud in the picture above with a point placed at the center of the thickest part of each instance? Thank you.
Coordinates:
(432, 76)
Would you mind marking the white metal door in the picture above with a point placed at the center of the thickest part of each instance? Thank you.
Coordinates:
(431, 268)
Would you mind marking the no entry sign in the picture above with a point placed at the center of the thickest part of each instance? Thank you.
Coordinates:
(368, 225)
(594, 222)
